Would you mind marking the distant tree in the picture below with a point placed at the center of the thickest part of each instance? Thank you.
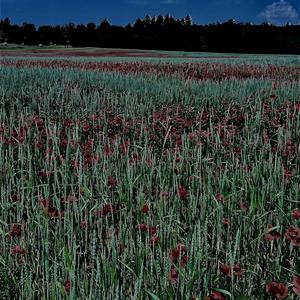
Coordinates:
(147, 20)
(29, 34)
(104, 25)
(162, 32)
(4, 29)
(187, 21)
(46, 34)
(128, 27)
(139, 25)
(69, 34)
(91, 26)
(2, 36)
(159, 21)
(5, 24)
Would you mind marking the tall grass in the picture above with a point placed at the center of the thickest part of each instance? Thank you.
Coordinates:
(229, 144)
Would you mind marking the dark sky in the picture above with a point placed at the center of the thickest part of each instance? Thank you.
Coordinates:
(122, 12)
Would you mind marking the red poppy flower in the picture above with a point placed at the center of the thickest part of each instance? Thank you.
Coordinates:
(244, 207)
(296, 285)
(75, 163)
(184, 261)
(277, 290)
(15, 197)
(108, 151)
(124, 147)
(248, 168)
(287, 176)
(272, 234)
(152, 229)
(237, 269)
(50, 209)
(106, 209)
(134, 158)
(182, 192)
(154, 240)
(67, 286)
(149, 162)
(296, 214)
(215, 295)
(16, 230)
(237, 150)
(45, 203)
(53, 212)
(226, 269)
(18, 250)
(176, 252)
(63, 142)
(220, 198)
(145, 208)
(226, 221)
(111, 182)
(174, 275)
(142, 227)
(293, 235)
(83, 224)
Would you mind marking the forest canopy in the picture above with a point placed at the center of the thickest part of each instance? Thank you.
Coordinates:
(160, 33)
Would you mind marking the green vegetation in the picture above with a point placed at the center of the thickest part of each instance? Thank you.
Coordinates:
(104, 175)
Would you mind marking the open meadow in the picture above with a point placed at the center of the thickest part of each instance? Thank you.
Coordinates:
(130, 174)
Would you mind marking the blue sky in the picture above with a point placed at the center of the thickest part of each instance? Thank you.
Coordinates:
(122, 12)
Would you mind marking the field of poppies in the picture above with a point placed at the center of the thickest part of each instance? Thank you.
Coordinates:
(152, 176)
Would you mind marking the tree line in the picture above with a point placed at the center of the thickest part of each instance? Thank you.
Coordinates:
(160, 33)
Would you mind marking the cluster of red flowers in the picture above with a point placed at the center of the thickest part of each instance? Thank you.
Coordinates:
(280, 291)
(183, 192)
(292, 235)
(215, 295)
(103, 53)
(50, 210)
(171, 122)
(229, 270)
(187, 71)
(108, 208)
(152, 230)
(277, 290)
(111, 182)
(177, 256)
(19, 252)
(16, 230)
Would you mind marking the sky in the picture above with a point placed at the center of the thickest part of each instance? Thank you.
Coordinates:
(122, 12)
